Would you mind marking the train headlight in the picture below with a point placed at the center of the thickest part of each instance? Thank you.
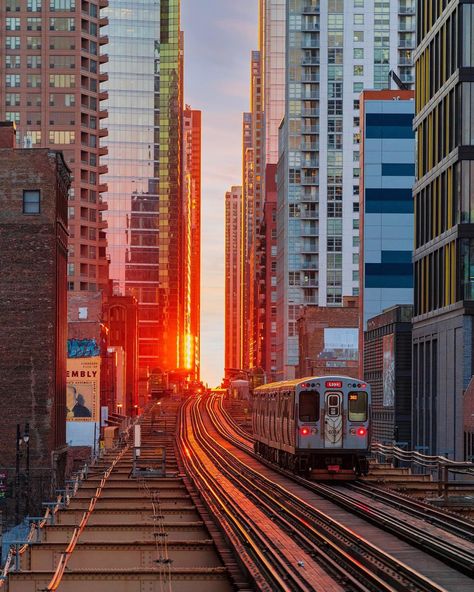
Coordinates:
(361, 432)
(304, 431)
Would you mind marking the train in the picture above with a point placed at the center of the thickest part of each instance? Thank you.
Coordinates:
(318, 427)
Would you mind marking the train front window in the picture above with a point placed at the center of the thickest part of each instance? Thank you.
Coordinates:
(358, 407)
(309, 406)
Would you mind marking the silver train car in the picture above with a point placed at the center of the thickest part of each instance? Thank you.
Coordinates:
(318, 427)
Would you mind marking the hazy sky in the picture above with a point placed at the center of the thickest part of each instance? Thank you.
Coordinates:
(219, 36)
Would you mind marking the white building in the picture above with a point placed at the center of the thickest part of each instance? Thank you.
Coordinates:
(334, 50)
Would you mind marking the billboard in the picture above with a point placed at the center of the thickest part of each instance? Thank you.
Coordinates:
(83, 389)
(388, 374)
(341, 346)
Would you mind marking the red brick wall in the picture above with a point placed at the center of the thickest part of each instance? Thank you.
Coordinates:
(311, 327)
(32, 303)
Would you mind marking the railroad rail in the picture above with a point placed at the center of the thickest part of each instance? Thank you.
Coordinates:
(124, 532)
(452, 553)
(369, 565)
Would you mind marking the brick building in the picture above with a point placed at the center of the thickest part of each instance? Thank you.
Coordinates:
(387, 368)
(52, 53)
(34, 185)
(328, 339)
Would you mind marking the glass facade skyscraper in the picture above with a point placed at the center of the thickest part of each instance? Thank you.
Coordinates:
(144, 172)
(171, 287)
(133, 161)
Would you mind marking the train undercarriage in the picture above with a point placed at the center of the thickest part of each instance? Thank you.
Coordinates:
(323, 465)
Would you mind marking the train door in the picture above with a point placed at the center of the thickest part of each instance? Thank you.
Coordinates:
(333, 424)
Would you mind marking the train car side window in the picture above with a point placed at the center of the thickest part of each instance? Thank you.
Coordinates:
(309, 406)
(358, 407)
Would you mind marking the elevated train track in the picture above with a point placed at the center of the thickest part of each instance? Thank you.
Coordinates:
(454, 551)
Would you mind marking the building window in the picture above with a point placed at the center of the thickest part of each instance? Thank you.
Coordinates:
(13, 116)
(12, 61)
(31, 202)
(62, 5)
(62, 24)
(358, 36)
(358, 53)
(12, 80)
(358, 70)
(12, 42)
(34, 5)
(13, 24)
(12, 100)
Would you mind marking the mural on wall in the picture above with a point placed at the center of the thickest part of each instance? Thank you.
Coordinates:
(82, 348)
(388, 370)
(83, 389)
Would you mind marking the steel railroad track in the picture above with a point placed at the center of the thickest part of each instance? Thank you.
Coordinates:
(452, 554)
(338, 547)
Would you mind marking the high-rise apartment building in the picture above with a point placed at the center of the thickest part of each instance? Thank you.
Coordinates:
(233, 278)
(192, 241)
(52, 56)
(334, 50)
(247, 233)
(443, 356)
(133, 89)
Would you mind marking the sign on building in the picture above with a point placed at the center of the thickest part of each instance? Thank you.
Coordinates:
(83, 389)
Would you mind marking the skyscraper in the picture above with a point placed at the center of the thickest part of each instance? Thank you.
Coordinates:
(444, 232)
(233, 258)
(192, 241)
(133, 104)
(52, 91)
(170, 186)
(333, 51)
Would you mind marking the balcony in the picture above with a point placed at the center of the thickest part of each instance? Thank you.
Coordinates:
(309, 180)
(104, 21)
(103, 58)
(310, 9)
(310, 78)
(103, 205)
(102, 187)
(310, 27)
(406, 10)
(312, 163)
(311, 61)
(103, 132)
(103, 114)
(407, 43)
(103, 169)
(309, 147)
(407, 27)
(310, 44)
(313, 96)
(103, 95)
(103, 77)
(103, 3)
(310, 129)
(310, 112)
(103, 40)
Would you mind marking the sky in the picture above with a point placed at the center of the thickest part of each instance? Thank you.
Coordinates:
(219, 37)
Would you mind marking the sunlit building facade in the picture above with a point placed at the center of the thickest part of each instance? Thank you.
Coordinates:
(192, 242)
(53, 53)
(443, 327)
(233, 258)
(132, 162)
(334, 50)
(170, 186)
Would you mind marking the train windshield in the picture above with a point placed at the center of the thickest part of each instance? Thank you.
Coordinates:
(309, 406)
(358, 407)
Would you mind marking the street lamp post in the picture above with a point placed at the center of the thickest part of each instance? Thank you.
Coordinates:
(17, 474)
(26, 440)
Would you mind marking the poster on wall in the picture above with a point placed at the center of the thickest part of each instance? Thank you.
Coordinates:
(83, 389)
(388, 371)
